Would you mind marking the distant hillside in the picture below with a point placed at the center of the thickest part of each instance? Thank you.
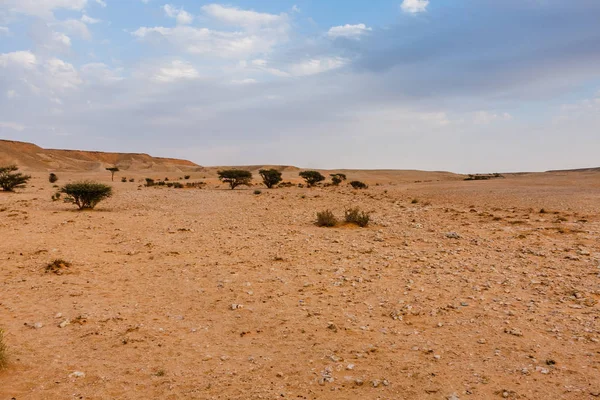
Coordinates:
(31, 157)
(577, 170)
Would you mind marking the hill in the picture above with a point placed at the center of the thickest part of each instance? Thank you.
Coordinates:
(29, 156)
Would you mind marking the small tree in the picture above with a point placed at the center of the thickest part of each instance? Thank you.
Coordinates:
(312, 177)
(86, 194)
(336, 179)
(112, 172)
(270, 177)
(52, 177)
(235, 177)
(11, 180)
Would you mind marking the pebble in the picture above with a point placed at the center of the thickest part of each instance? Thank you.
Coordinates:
(77, 374)
(64, 323)
(452, 235)
(350, 367)
(481, 341)
(453, 396)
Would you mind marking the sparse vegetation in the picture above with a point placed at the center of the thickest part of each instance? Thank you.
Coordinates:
(355, 216)
(359, 185)
(235, 177)
(414, 201)
(56, 196)
(336, 179)
(186, 177)
(149, 182)
(10, 179)
(52, 178)
(178, 185)
(86, 194)
(312, 177)
(57, 266)
(483, 177)
(257, 192)
(326, 218)
(270, 177)
(123, 179)
(3, 351)
(112, 172)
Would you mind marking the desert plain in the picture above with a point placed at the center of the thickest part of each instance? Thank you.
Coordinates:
(456, 289)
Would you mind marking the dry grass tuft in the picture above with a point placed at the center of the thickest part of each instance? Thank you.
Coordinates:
(58, 266)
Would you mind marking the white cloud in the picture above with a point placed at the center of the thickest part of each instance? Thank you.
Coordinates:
(24, 59)
(74, 27)
(245, 18)
(59, 42)
(43, 8)
(100, 73)
(247, 81)
(486, 117)
(89, 20)
(62, 75)
(206, 41)
(4, 30)
(11, 93)
(174, 71)
(414, 6)
(349, 31)
(181, 16)
(101, 3)
(316, 66)
(12, 125)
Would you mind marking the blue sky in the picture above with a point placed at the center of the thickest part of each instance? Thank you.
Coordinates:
(461, 85)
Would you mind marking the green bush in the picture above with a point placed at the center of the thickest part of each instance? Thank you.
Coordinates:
(87, 194)
(336, 179)
(235, 177)
(52, 177)
(355, 216)
(270, 177)
(56, 196)
(326, 218)
(312, 177)
(358, 185)
(10, 179)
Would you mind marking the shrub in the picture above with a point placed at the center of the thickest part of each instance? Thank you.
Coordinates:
(358, 185)
(57, 266)
(235, 177)
(56, 196)
(149, 182)
(270, 177)
(10, 179)
(178, 185)
(131, 179)
(336, 179)
(52, 177)
(312, 177)
(286, 185)
(326, 218)
(3, 351)
(257, 192)
(86, 194)
(186, 177)
(355, 216)
(123, 179)
(112, 172)
(414, 201)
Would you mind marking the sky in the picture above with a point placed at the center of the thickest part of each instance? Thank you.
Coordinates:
(455, 85)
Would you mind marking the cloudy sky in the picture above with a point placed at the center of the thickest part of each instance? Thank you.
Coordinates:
(459, 85)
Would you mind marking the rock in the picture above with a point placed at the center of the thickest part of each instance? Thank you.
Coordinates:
(453, 235)
(64, 323)
(481, 341)
(453, 396)
(77, 374)
(376, 383)
(513, 331)
(38, 325)
(350, 367)
(236, 306)
(359, 382)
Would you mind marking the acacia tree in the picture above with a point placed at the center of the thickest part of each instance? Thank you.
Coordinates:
(10, 179)
(270, 177)
(86, 194)
(235, 177)
(312, 177)
(112, 172)
(336, 179)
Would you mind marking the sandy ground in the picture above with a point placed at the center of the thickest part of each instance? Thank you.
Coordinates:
(219, 294)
